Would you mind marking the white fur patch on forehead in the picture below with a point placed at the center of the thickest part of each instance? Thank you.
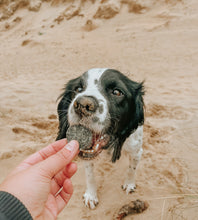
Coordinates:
(93, 77)
(95, 74)
(99, 120)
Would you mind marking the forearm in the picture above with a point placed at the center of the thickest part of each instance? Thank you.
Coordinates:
(12, 208)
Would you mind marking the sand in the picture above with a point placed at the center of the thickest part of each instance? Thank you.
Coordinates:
(46, 43)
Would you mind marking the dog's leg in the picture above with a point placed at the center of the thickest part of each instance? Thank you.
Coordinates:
(129, 184)
(90, 196)
(134, 150)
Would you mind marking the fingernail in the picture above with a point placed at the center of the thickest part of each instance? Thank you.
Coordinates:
(71, 146)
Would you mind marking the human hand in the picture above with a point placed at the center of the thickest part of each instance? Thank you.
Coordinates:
(36, 182)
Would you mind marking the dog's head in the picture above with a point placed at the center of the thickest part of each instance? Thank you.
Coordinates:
(106, 102)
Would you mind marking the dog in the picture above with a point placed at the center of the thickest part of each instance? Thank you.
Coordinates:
(112, 107)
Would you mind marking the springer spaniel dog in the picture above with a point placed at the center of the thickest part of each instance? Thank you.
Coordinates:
(110, 105)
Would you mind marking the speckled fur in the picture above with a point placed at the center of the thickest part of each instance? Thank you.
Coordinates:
(129, 127)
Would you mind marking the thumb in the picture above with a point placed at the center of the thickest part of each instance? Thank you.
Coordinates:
(52, 165)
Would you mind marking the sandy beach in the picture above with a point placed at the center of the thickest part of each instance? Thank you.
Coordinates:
(44, 44)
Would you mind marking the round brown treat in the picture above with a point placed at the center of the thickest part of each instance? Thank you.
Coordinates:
(81, 134)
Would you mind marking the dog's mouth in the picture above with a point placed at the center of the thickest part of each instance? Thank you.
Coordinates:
(91, 143)
(99, 142)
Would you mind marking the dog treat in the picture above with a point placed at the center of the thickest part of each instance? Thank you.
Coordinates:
(134, 207)
(80, 133)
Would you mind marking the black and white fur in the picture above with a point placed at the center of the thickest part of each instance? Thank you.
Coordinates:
(119, 113)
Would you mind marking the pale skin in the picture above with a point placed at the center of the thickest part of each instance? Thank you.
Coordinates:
(38, 179)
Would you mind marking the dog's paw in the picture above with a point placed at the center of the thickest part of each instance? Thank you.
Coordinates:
(90, 200)
(129, 187)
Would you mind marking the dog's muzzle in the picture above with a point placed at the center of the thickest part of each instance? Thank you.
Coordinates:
(85, 106)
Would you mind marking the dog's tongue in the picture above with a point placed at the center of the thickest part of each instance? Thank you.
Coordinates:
(82, 134)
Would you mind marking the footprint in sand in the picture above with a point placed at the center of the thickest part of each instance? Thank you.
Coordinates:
(155, 135)
(176, 172)
(105, 168)
(162, 111)
(18, 130)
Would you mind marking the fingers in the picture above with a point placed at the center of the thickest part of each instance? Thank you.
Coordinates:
(66, 173)
(54, 164)
(70, 170)
(42, 154)
(63, 198)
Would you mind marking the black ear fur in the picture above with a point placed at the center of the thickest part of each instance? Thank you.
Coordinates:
(63, 106)
(62, 115)
(135, 119)
(137, 116)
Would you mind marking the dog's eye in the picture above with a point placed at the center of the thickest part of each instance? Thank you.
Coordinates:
(117, 92)
(79, 89)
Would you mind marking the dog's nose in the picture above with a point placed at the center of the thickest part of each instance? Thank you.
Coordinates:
(85, 105)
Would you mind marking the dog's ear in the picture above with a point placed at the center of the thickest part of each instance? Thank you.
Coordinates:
(133, 120)
(62, 115)
(137, 118)
(137, 108)
(66, 98)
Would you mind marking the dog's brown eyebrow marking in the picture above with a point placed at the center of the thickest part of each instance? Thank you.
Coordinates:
(101, 109)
